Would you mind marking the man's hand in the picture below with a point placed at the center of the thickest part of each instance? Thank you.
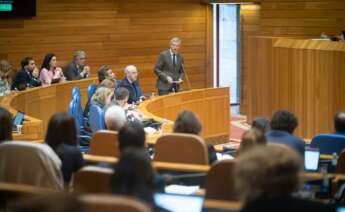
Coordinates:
(86, 71)
(170, 80)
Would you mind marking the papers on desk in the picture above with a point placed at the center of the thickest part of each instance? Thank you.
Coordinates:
(150, 130)
(180, 189)
(221, 156)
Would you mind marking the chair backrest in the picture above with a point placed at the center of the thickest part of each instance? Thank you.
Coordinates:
(96, 118)
(76, 110)
(340, 168)
(93, 179)
(76, 93)
(220, 182)
(91, 90)
(31, 164)
(105, 143)
(329, 143)
(110, 203)
(181, 148)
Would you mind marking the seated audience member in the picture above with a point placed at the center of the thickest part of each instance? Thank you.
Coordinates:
(188, 122)
(61, 136)
(50, 73)
(134, 176)
(5, 125)
(251, 139)
(121, 97)
(114, 118)
(25, 76)
(5, 69)
(77, 69)
(104, 72)
(267, 177)
(102, 96)
(262, 124)
(339, 123)
(131, 83)
(132, 135)
(108, 84)
(283, 124)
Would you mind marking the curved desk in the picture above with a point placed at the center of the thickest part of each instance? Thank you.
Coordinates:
(40, 103)
(211, 104)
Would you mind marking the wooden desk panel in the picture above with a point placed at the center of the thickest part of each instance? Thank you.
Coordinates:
(40, 103)
(211, 105)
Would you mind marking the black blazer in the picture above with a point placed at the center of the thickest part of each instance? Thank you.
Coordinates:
(24, 79)
(72, 72)
(134, 90)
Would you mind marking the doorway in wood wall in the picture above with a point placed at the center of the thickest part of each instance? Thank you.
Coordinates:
(227, 49)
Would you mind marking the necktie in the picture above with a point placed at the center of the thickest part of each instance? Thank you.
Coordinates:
(174, 60)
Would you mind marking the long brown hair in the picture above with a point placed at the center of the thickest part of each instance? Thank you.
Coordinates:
(5, 125)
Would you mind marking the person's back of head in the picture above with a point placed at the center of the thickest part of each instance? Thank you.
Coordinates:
(5, 125)
(115, 118)
(101, 96)
(187, 122)
(339, 122)
(132, 135)
(250, 139)
(284, 120)
(262, 124)
(108, 83)
(61, 130)
(133, 175)
(268, 172)
(121, 93)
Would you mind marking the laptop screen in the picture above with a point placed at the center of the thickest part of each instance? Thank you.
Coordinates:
(175, 202)
(311, 159)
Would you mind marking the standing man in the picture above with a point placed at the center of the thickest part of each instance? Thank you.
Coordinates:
(170, 69)
(25, 77)
(77, 69)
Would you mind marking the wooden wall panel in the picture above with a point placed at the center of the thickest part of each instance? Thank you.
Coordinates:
(114, 32)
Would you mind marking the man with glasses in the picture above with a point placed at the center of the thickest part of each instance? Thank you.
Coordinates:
(77, 69)
(25, 77)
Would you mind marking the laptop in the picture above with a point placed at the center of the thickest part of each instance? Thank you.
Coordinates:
(177, 202)
(311, 159)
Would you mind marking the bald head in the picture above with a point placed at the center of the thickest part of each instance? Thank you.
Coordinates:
(115, 118)
(339, 122)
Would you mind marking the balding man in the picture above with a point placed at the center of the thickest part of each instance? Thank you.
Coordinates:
(115, 118)
(131, 83)
(339, 122)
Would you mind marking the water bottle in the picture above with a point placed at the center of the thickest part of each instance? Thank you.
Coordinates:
(334, 159)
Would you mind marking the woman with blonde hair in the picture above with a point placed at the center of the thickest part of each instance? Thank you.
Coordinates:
(5, 69)
(102, 96)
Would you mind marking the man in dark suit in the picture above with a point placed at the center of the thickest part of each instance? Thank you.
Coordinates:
(25, 77)
(131, 83)
(77, 69)
(170, 68)
(283, 123)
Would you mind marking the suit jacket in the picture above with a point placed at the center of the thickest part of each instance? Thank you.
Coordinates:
(281, 137)
(72, 72)
(164, 68)
(24, 79)
(133, 88)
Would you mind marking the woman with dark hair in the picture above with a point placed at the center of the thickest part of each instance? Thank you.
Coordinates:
(50, 73)
(5, 125)
(133, 175)
(61, 136)
(188, 122)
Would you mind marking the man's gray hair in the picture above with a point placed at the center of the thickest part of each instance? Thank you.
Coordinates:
(175, 40)
(115, 118)
(79, 54)
(130, 68)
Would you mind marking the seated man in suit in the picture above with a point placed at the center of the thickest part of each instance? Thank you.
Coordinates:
(169, 68)
(283, 124)
(25, 77)
(339, 123)
(131, 83)
(77, 69)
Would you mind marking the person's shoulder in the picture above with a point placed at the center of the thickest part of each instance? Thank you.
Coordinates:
(165, 52)
(70, 66)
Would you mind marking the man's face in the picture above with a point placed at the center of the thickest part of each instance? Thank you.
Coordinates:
(175, 46)
(132, 75)
(80, 60)
(31, 66)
